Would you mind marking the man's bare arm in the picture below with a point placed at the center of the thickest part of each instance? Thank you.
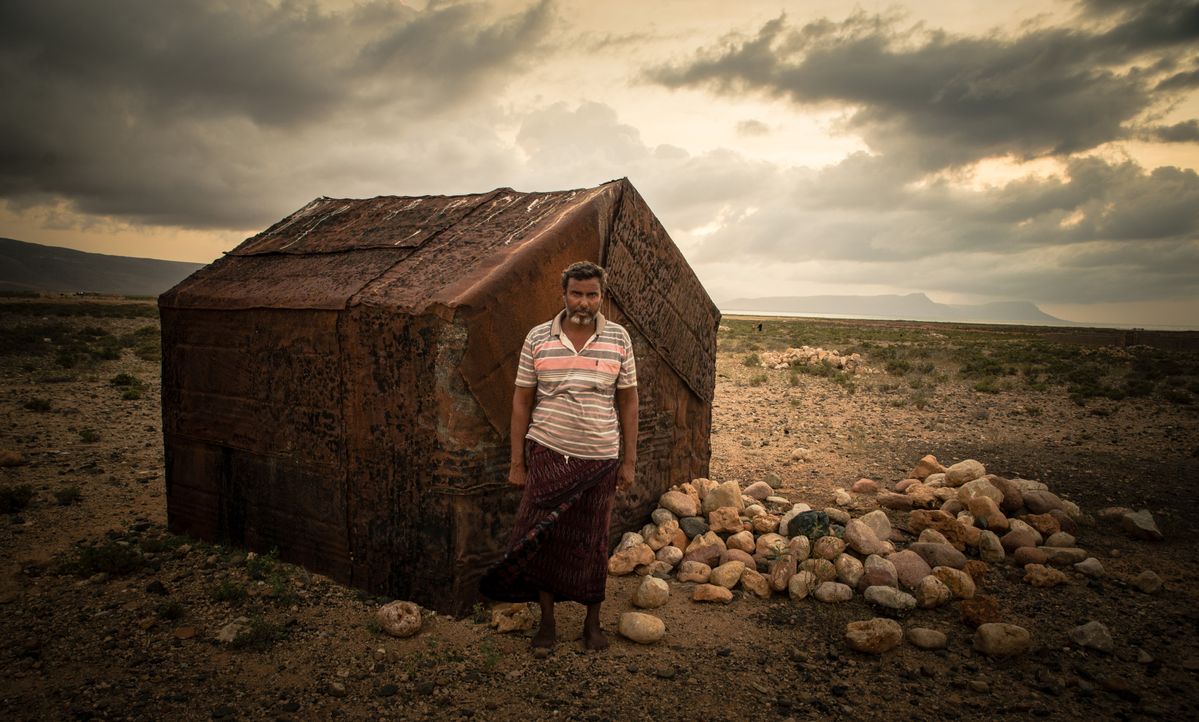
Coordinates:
(626, 405)
(522, 411)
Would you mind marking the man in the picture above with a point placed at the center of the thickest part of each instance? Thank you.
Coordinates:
(574, 412)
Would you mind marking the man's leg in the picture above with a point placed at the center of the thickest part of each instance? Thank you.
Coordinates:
(593, 636)
(546, 634)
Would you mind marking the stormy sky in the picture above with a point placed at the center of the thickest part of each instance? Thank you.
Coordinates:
(974, 151)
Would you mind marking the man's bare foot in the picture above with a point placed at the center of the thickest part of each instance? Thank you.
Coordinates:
(545, 638)
(595, 639)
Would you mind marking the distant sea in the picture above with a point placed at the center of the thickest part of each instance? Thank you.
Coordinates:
(1068, 324)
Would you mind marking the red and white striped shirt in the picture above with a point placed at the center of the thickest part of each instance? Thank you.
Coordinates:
(575, 410)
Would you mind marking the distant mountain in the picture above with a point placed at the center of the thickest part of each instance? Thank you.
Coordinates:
(912, 306)
(34, 267)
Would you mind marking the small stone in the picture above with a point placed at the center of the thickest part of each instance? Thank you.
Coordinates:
(336, 689)
(849, 570)
(671, 555)
(964, 471)
(1091, 567)
(1039, 575)
(939, 555)
(910, 567)
(765, 523)
(759, 490)
(890, 598)
(979, 610)
(828, 547)
(878, 522)
(898, 502)
(922, 496)
(512, 618)
(1029, 555)
(1017, 538)
(693, 526)
(932, 536)
(877, 571)
(725, 519)
(697, 572)
(662, 535)
(641, 628)
(1060, 539)
(929, 639)
(976, 488)
(986, 513)
(1045, 524)
(990, 549)
(812, 524)
(959, 582)
(401, 619)
(625, 561)
(743, 540)
(1063, 556)
(1140, 525)
(629, 540)
(801, 585)
(800, 548)
(727, 575)
(977, 569)
(185, 632)
(773, 479)
(905, 484)
(833, 592)
(712, 593)
(949, 527)
(753, 582)
(822, 568)
(932, 593)
(864, 486)
(661, 516)
(996, 639)
(726, 494)
(837, 517)
(926, 466)
(874, 636)
(860, 537)
(157, 587)
(1041, 502)
(1012, 500)
(651, 593)
(1148, 582)
(233, 630)
(1093, 635)
(780, 572)
(842, 497)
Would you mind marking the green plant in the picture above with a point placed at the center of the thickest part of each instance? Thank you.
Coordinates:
(758, 379)
(67, 495)
(15, 498)
(89, 435)
(260, 634)
(373, 625)
(38, 404)
(123, 380)
(228, 591)
(478, 613)
(169, 610)
(491, 655)
(131, 395)
(987, 385)
(751, 360)
(111, 557)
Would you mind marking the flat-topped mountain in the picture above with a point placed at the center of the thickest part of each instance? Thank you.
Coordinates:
(911, 306)
(34, 267)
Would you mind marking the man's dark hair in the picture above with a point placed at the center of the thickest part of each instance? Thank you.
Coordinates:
(583, 270)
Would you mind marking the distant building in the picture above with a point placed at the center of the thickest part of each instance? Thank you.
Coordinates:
(339, 386)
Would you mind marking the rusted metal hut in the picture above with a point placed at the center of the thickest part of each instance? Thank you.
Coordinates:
(339, 386)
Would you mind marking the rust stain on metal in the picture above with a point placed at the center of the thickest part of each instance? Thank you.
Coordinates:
(339, 385)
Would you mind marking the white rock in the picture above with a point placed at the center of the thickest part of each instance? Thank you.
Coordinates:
(878, 521)
(801, 584)
(990, 549)
(400, 619)
(842, 497)
(1091, 567)
(641, 628)
(672, 555)
(512, 618)
(1093, 635)
(849, 570)
(890, 598)
(964, 471)
(661, 516)
(628, 541)
(652, 592)
(1140, 525)
(832, 592)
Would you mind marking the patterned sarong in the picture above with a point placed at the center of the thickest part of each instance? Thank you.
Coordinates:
(559, 543)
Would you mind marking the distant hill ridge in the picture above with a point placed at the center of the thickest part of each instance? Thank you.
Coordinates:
(34, 267)
(911, 306)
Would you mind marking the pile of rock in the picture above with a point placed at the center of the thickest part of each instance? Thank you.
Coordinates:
(719, 537)
(808, 356)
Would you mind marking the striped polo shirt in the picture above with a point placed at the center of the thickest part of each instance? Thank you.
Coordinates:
(575, 412)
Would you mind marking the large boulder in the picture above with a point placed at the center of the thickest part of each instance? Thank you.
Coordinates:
(641, 628)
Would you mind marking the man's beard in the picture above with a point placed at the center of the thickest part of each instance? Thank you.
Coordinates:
(582, 318)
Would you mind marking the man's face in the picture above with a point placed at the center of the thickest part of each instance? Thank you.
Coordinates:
(582, 300)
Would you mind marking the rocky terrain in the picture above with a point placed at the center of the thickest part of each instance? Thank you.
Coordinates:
(107, 616)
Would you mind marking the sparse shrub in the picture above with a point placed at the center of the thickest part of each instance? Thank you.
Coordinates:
(15, 498)
(751, 360)
(131, 395)
(898, 367)
(89, 435)
(793, 379)
(373, 625)
(259, 635)
(478, 613)
(67, 495)
(920, 400)
(987, 385)
(1177, 395)
(491, 656)
(110, 557)
(1032, 410)
(38, 404)
(125, 380)
(758, 380)
(170, 610)
(228, 591)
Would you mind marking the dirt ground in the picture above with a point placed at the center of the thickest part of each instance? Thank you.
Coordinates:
(143, 644)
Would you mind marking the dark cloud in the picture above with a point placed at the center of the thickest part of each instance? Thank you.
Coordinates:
(934, 100)
(752, 127)
(195, 113)
(1184, 132)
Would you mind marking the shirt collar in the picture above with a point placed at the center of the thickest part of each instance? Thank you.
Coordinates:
(556, 327)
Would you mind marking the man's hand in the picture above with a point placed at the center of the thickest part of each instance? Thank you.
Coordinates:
(625, 475)
(516, 475)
